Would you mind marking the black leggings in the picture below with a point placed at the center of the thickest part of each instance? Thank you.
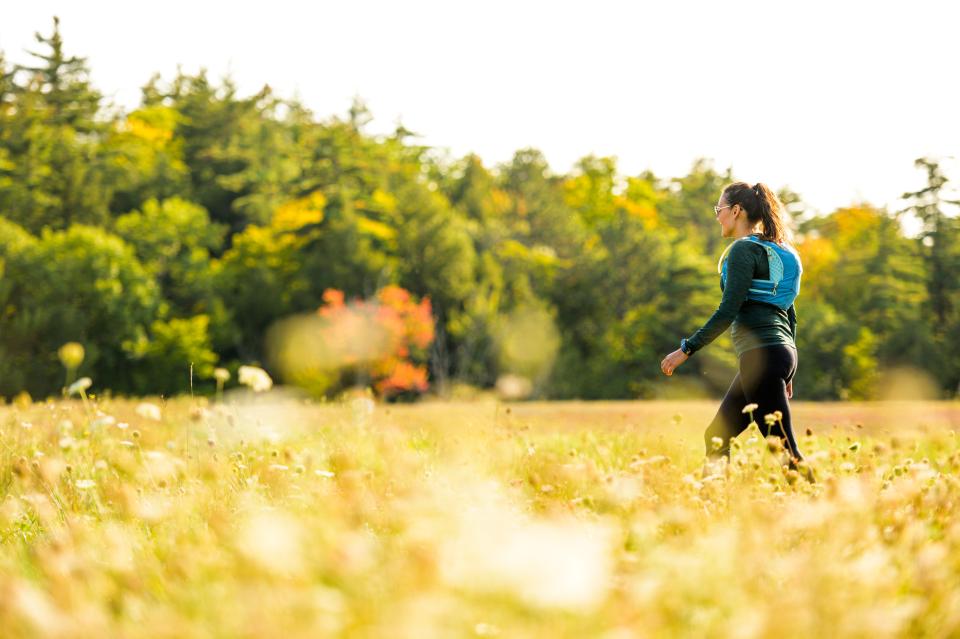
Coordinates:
(762, 380)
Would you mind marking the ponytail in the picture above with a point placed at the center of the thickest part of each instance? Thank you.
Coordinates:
(762, 206)
(773, 228)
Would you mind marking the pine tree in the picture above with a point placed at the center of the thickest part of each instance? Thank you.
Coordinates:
(64, 83)
(938, 246)
(52, 164)
(939, 237)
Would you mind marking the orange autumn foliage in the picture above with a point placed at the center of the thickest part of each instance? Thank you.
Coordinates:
(379, 338)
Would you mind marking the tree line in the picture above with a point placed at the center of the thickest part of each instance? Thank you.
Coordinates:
(177, 234)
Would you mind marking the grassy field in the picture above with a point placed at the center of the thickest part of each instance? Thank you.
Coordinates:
(269, 517)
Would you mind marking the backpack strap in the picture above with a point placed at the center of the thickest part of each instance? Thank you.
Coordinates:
(774, 261)
(723, 256)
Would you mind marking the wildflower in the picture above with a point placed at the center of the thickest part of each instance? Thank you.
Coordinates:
(770, 419)
(22, 400)
(323, 473)
(103, 420)
(80, 386)
(148, 411)
(513, 386)
(749, 408)
(85, 483)
(71, 355)
(778, 415)
(222, 375)
(716, 443)
(256, 378)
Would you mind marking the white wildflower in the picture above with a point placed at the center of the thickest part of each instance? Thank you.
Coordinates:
(149, 411)
(80, 386)
(256, 378)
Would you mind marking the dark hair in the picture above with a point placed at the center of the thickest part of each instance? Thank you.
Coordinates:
(761, 205)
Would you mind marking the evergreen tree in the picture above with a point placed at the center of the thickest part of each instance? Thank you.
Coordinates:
(64, 83)
(52, 168)
(939, 240)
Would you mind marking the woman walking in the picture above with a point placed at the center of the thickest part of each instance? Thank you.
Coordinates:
(760, 279)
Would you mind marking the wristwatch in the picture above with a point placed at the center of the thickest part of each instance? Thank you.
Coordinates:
(685, 347)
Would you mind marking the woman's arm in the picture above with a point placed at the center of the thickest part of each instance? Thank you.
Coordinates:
(741, 265)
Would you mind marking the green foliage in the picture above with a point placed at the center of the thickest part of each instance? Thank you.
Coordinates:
(259, 279)
(52, 166)
(688, 206)
(163, 361)
(146, 157)
(836, 357)
(174, 241)
(82, 285)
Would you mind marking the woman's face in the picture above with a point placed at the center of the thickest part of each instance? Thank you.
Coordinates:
(725, 217)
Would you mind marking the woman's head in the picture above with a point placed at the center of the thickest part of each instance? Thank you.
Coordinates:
(745, 206)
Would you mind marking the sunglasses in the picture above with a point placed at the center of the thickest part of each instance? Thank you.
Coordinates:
(717, 209)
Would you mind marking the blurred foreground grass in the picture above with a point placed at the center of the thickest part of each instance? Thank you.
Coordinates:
(269, 517)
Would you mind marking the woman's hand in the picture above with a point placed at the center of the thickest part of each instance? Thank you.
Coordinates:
(790, 389)
(671, 361)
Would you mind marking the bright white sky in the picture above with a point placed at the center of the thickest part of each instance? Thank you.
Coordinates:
(834, 99)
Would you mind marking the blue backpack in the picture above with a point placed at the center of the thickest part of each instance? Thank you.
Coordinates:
(785, 271)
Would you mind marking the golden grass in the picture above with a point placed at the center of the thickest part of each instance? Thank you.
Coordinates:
(270, 517)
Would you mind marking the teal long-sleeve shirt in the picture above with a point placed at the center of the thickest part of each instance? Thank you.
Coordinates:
(753, 324)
